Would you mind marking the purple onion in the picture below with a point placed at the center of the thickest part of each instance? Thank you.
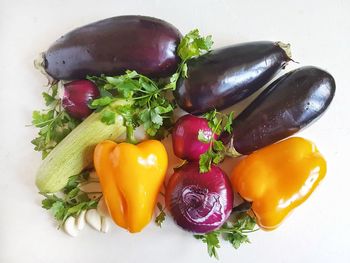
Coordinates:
(185, 137)
(76, 97)
(199, 202)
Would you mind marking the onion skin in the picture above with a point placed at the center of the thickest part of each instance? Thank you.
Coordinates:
(185, 137)
(113, 45)
(199, 202)
(76, 97)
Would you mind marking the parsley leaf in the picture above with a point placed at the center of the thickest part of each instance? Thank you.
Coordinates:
(204, 136)
(54, 123)
(191, 46)
(70, 201)
(108, 117)
(217, 151)
(205, 161)
(228, 124)
(101, 102)
(160, 218)
(212, 241)
(234, 231)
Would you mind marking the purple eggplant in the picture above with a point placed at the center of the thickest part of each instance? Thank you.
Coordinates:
(286, 106)
(111, 46)
(228, 75)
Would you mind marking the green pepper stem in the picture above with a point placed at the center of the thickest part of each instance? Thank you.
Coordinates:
(130, 136)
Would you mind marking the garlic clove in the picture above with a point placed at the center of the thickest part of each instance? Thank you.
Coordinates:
(80, 221)
(105, 225)
(102, 208)
(93, 218)
(70, 227)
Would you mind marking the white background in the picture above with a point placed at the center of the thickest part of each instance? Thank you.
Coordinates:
(319, 32)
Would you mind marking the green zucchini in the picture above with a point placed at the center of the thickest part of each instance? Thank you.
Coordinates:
(75, 152)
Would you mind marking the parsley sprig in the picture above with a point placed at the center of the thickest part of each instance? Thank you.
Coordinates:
(71, 201)
(160, 218)
(54, 122)
(191, 46)
(150, 106)
(234, 231)
(217, 151)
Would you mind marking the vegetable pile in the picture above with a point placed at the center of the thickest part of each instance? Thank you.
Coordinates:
(122, 75)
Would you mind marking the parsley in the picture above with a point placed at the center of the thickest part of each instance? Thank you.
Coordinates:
(54, 123)
(235, 232)
(150, 106)
(218, 122)
(160, 218)
(212, 241)
(71, 201)
(191, 46)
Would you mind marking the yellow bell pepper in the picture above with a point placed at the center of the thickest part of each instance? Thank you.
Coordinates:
(131, 177)
(278, 178)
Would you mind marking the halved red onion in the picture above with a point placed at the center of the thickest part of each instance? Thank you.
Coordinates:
(185, 137)
(199, 202)
(76, 97)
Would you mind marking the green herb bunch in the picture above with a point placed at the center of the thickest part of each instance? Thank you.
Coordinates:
(234, 231)
(54, 122)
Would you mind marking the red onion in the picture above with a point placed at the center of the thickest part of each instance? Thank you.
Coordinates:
(185, 137)
(76, 97)
(199, 202)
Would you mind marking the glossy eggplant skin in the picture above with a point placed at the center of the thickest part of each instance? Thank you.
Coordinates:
(228, 75)
(286, 106)
(111, 46)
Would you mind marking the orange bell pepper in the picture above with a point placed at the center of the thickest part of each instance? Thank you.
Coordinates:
(278, 178)
(131, 177)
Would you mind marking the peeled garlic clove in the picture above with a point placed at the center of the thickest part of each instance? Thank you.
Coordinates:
(105, 225)
(102, 208)
(93, 218)
(70, 227)
(80, 221)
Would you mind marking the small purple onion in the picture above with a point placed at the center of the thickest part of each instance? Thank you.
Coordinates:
(76, 97)
(199, 202)
(185, 137)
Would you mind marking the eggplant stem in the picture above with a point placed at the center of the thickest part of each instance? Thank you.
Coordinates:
(231, 151)
(243, 207)
(39, 64)
(286, 48)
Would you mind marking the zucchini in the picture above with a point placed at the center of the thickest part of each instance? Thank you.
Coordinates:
(75, 152)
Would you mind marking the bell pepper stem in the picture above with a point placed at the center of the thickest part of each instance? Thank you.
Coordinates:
(243, 207)
(130, 136)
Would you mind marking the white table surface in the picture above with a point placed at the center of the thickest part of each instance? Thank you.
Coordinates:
(319, 32)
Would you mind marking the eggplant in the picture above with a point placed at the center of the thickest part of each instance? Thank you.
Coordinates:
(111, 46)
(286, 106)
(228, 75)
